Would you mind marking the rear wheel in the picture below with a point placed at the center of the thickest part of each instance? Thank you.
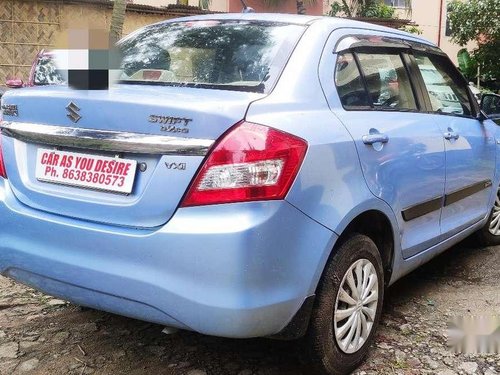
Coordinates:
(347, 310)
(490, 233)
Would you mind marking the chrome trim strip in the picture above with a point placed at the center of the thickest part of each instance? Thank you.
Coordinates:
(105, 140)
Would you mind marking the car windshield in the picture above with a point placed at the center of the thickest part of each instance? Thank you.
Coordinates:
(238, 55)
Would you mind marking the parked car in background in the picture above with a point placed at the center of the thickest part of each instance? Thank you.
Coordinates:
(251, 175)
(491, 106)
(43, 72)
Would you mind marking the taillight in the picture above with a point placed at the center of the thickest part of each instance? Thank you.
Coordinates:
(251, 162)
(3, 173)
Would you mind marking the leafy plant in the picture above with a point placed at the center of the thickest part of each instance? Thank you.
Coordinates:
(466, 64)
(364, 8)
(335, 9)
(411, 29)
(378, 10)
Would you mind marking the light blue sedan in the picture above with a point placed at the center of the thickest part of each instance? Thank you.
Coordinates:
(249, 175)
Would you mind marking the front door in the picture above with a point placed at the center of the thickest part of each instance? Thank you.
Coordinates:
(469, 144)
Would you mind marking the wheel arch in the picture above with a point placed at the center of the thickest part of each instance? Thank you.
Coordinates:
(374, 220)
(378, 227)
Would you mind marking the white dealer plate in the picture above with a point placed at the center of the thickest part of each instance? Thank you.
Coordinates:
(86, 171)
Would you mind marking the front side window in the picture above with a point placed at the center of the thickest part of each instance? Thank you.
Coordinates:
(225, 54)
(387, 81)
(446, 92)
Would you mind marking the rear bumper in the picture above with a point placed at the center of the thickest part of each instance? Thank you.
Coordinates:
(240, 270)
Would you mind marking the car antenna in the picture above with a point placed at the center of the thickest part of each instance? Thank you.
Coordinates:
(246, 8)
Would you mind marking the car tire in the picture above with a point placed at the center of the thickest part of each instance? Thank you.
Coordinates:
(322, 352)
(489, 234)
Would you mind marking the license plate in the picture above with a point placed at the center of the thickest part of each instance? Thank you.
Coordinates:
(86, 171)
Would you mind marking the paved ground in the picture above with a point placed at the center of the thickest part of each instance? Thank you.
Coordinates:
(42, 335)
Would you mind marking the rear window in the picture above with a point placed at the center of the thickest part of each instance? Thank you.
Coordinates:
(239, 55)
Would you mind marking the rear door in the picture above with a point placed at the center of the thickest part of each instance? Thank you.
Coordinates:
(469, 143)
(401, 149)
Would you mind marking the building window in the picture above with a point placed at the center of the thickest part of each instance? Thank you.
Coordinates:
(396, 3)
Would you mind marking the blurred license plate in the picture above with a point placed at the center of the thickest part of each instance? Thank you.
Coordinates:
(86, 171)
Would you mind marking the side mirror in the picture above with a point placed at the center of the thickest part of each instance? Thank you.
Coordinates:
(481, 116)
(14, 83)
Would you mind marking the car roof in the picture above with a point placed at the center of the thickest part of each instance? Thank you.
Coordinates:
(333, 22)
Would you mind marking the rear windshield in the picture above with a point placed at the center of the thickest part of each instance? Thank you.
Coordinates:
(233, 55)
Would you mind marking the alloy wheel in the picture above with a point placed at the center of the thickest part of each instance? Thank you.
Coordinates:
(356, 306)
(494, 226)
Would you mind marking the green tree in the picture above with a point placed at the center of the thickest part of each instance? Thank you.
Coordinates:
(478, 21)
(364, 8)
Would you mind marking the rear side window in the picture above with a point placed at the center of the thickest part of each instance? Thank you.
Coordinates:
(383, 85)
(349, 83)
(387, 81)
(447, 92)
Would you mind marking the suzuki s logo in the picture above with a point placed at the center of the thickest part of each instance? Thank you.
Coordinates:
(73, 114)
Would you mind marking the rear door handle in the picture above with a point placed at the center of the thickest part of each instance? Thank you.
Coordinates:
(451, 135)
(375, 138)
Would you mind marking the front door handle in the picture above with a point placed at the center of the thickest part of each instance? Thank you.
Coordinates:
(370, 139)
(451, 135)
